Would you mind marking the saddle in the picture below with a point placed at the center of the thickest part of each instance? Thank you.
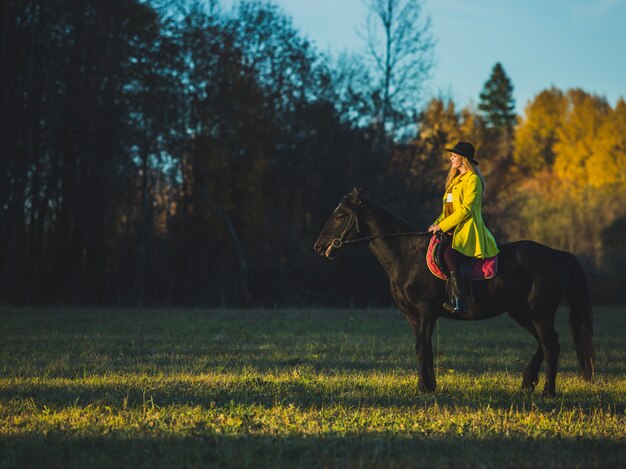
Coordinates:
(482, 269)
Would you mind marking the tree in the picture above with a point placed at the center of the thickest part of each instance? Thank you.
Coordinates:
(352, 82)
(577, 136)
(472, 127)
(574, 144)
(497, 105)
(401, 60)
(496, 111)
(605, 167)
(536, 134)
(416, 171)
(65, 86)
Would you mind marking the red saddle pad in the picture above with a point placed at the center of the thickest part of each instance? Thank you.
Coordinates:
(483, 269)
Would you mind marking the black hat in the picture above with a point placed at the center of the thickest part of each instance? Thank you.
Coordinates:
(465, 149)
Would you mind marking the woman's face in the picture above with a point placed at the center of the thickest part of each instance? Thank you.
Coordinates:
(456, 160)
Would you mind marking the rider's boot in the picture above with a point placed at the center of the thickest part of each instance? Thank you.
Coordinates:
(457, 300)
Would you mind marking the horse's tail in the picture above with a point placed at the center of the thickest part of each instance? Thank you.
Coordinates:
(580, 316)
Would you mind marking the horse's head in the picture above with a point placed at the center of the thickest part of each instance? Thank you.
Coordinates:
(342, 226)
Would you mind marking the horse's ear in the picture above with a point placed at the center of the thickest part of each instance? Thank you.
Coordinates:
(355, 196)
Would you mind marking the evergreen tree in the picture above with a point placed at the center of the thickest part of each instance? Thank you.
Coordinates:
(497, 105)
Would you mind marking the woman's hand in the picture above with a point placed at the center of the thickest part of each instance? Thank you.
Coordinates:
(434, 228)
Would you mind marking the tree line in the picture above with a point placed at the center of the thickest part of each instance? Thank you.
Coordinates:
(160, 155)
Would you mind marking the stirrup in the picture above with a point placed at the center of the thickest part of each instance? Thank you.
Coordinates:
(461, 304)
(456, 307)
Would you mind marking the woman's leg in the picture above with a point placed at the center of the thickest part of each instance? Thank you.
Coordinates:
(459, 267)
(455, 260)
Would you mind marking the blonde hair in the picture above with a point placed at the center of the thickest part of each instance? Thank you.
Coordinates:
(471, 168)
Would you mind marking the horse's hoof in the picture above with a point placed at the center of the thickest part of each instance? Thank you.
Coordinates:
(529, 385)
(546, 393)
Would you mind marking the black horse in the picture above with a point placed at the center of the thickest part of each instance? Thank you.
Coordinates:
(532, 281)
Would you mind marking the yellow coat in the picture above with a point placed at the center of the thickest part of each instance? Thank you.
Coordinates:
(471, 237)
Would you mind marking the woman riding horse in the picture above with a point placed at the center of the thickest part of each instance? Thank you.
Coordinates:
(532, 281)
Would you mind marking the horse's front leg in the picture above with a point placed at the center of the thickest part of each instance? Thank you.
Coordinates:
(424, 355)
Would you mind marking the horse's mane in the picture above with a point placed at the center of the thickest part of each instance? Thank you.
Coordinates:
(388, 223)
(387, 214)
(393, 223)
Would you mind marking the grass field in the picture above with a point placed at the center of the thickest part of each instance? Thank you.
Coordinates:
(296, 388)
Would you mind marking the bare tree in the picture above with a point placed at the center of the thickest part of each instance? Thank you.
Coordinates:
(400, 47)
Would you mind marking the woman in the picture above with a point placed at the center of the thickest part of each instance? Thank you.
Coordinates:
(471, 239)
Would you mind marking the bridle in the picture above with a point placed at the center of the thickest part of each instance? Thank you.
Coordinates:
(339, 242)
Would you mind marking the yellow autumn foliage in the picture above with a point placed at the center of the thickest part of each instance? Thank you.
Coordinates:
(577, 137)
(572, 148)
(605, 167)
(536, 133)
(439, 121)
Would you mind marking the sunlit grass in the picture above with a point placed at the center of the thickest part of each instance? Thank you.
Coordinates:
(298, 388)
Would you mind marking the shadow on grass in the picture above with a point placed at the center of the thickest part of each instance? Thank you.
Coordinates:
(369, 450)
(118, 342)
(304, 393)
(76, 344)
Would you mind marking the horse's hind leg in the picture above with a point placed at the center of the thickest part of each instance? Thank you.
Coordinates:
(531, 373)
(544, 297)
(549, 340)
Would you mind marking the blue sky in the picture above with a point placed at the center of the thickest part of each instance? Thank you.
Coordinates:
(565, 43)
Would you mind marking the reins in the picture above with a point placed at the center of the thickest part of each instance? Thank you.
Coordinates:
(337, 242)
(354, 221)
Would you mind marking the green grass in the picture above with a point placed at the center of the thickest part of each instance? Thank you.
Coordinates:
(296, 388)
